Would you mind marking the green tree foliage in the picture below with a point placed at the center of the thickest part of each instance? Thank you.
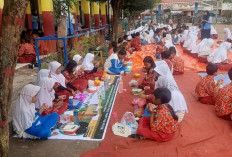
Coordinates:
(138, 6)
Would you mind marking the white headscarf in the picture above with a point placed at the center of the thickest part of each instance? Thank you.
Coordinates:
(24, 111)
(53, 66)
(193, 42)
(205, 49)
(77, 58)
(177, 101)
(88, 61)
(220, 54)
(169, 36)
(228, 33)
(188, 40)
(163, 69)
(46, 94)
(41, 74)
(213, 30)
(185, 35)
(168, 44)
(197, 48)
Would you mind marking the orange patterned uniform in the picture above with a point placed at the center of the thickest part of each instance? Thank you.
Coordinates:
(164, 121)
(206, 87)
(178, 64)
(26, 48)
(223, 105)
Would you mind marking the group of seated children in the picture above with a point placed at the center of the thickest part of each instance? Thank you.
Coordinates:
(38, 106)
(175, 63)
(27, 52)
(165, 104)
(211, 92)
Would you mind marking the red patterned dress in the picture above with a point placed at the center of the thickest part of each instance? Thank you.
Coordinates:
(26, 53)
(223, 105)
(80, 83)
(162, 129)
(148, 81)
(178, 65)
(206, 90)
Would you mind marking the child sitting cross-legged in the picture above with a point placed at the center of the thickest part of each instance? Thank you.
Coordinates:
(75, 77)
(223, 105)
(207, 89)
(162, 123)
(27, 122)
(177, 62)
(114, 64)
(148, 82)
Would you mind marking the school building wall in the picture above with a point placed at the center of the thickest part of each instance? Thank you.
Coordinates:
(89, 14)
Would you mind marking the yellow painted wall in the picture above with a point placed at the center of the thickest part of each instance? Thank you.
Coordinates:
(28, 10)
(1, 4)
(96, 8)
(77, 9)
(46, 5)
(73, 9)
(85, 6)
(39, 5)
(103, 8)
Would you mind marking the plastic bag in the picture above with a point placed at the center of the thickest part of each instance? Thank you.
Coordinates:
(129, 119)
(138, 106)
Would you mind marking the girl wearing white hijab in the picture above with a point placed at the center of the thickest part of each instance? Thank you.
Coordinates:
(197, 48)
(184, 36)
(228, 34)
(26, 121)
(213, 32)
(188, 40)
(41, 74)
(193, 43)
(219, 55)
(78, 59)
(177, 101)
(88, 64)
(205, 48)
(55, 72)
(168, 44)
(46, 94)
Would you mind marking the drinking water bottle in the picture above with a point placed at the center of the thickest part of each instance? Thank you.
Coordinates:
(75, 117)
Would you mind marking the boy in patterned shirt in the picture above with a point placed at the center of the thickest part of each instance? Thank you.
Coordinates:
(223, 105)
(162, 123)
(206, 89)
(177, 62)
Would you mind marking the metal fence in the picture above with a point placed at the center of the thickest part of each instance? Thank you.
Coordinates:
(69, 43)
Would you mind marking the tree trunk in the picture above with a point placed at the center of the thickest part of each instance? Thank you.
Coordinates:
(62, 32)
(12, 26)
(116, 6)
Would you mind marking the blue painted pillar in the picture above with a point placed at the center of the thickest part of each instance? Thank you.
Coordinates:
(196, 8)
(159, 9)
